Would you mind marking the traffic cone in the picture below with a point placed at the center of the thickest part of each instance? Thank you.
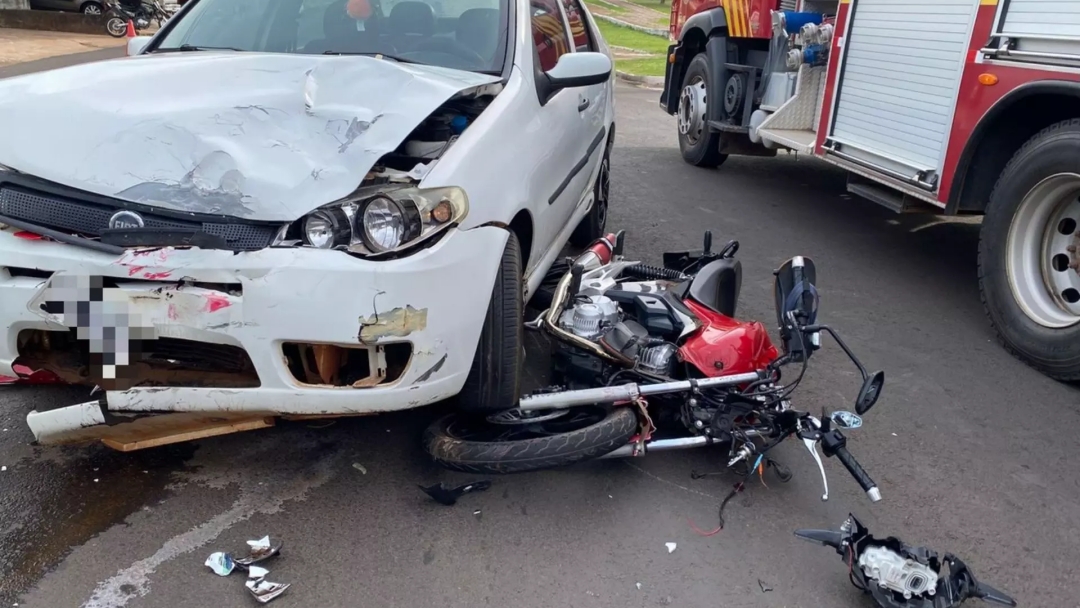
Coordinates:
(130, 29)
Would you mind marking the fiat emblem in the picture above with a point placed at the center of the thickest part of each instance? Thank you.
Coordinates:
(125, 220)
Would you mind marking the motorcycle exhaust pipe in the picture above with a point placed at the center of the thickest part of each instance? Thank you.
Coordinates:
(667, 445)
(598, 254)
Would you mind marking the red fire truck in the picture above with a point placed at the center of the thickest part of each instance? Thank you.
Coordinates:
(952, 106)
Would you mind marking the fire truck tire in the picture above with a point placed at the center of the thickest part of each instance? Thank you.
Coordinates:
(699, 146)
(1029, 253)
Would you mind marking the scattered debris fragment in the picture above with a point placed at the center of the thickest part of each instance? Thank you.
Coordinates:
(3, 469)
(670, 547)
(261, 550)
(95, 480)
(265, 591)
(359, 467)
(221, 563)
(477, 514)
(449, 496)
(638, 586)
(764, 588)
(257, 572)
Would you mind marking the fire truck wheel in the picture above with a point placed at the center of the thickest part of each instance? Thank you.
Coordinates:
(699, 146)
(1029, 253)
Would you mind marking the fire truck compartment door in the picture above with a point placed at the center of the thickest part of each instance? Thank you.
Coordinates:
(1043, 31)
(900, 75)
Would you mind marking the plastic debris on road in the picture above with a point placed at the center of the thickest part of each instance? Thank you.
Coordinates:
(764, 588)
(449, 496)
(261, 550)
(263, 590)
(359, 467)
(221, 563)
(670, 547)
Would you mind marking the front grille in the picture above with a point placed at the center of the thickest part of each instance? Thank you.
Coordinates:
(88, 219)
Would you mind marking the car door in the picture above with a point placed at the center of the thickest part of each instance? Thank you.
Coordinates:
(592, 100)
(556, 140)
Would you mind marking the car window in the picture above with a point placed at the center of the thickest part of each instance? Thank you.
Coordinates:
(460, 34)
(549, 32)
(582, 39)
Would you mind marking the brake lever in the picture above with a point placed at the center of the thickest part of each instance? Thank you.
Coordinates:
(810, 440)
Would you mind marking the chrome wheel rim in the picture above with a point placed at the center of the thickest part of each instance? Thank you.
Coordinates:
(1043, 252)
(117, 25)
(92, 9)
(692, 110)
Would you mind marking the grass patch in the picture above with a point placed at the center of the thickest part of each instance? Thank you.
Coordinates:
(607, 7)
(663, 7)
(617, 35)
(651, 66)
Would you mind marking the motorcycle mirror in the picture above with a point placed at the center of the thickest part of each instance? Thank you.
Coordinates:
(796, 303)
(869, 393)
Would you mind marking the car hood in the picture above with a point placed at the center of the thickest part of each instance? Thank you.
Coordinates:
(255, 136)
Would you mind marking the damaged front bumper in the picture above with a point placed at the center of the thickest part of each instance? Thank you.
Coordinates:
(279, 331)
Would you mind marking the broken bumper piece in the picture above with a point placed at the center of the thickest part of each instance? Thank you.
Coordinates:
(276, 331)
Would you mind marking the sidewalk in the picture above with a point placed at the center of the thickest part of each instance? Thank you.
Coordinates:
(18, 46)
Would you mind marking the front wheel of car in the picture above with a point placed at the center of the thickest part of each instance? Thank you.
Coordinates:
(92, 8)
(494, 381)
(592, 225)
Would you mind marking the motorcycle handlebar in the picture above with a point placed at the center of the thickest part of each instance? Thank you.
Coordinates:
(859, 474)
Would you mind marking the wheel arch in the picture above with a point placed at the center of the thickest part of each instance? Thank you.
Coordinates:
(693, 38)
(522, 227)
(1006, 126)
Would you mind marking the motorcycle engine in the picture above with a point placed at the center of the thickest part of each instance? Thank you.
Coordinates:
(890, 570)
(633, 326)
(590, 317)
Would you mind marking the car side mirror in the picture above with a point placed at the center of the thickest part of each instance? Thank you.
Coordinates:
(137, 44)
(580, 70)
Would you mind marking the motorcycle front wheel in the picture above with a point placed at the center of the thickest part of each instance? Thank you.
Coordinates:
(116, 27)
(499, 444)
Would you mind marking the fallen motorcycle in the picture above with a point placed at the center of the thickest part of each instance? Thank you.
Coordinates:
(650, 359)
(897, 575)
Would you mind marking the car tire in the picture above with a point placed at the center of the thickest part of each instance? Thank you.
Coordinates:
(1031, 215)
(90, 7)
(592, 226)
(616, 429)
(698, 144)
(494, 381)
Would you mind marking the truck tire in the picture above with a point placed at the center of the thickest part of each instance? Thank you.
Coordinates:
(447, 441)
(1029, 253)
(699, 145)
(494, 381)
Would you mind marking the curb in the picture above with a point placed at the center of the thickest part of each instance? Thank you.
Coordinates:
(647, 30)
(651, 82)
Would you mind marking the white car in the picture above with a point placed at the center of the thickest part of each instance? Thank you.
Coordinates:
(297, 208)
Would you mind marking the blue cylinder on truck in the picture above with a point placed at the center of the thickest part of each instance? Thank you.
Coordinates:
(794, 20)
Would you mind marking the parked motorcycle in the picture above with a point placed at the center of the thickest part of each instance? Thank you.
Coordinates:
(650, 359)
(117, 17)
(897, 575)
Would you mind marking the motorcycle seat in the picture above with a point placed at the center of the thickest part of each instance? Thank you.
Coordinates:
(717, 285)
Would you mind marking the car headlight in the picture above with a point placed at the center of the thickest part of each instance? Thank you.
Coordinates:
(380, 221)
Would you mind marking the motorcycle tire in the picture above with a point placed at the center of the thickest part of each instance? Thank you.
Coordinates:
(617, 427)
(114, 30)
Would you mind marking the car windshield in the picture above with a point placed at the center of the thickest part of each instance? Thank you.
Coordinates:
(459, 34)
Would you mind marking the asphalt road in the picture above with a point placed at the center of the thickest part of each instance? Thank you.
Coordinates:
(974, 452)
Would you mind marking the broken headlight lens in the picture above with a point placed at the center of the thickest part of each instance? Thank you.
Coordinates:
(380, 221)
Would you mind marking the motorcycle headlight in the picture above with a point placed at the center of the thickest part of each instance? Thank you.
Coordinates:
(380, 222)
